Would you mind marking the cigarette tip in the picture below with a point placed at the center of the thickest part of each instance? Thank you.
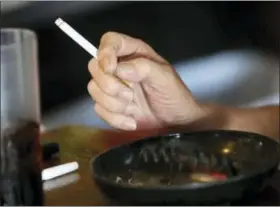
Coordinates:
(58, 21)
(59, 170)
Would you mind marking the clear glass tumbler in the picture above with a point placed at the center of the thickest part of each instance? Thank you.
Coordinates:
(20, 179)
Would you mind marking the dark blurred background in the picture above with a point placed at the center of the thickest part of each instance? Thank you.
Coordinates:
(177, 30)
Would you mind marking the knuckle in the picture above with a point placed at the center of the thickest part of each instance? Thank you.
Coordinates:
(112, 40)
(105, 102)
(107, 36)
(108, 102)
(92, 64)
(114, 105)
(141, 43)
(116, 108)
(115, 120)
(123, 108)
(143, 47)
(100, 112)
(110, 87)
(90, 86)
(96, 108)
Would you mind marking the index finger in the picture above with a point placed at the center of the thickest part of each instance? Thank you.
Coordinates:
(114, 45)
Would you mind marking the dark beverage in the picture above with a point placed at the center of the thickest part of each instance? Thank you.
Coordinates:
(20, 181)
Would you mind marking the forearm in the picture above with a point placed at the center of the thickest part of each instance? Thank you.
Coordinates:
(264, 120)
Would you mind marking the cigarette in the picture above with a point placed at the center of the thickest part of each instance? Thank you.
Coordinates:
(79, 39)
(57, 171)
(84, 43)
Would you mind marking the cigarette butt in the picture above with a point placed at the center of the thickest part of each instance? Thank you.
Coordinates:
(57, 171)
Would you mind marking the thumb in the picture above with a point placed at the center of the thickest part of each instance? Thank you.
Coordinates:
(141, 70)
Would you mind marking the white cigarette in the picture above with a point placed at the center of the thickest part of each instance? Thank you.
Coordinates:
(84, 43)
(53, 172)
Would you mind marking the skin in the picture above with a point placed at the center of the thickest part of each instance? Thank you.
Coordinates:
(136, 89)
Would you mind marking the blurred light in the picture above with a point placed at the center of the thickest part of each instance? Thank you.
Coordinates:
(226, 150)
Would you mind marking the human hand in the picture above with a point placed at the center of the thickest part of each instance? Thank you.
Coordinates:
(155, 96)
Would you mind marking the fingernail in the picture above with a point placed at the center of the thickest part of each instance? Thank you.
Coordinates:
(129, 124)
(127, 95)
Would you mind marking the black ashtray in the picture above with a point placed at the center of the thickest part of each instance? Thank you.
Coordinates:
(198, 168)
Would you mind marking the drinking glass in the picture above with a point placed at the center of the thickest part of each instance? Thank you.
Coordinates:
(20, 180)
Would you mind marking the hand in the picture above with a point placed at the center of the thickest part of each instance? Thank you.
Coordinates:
(155, 96)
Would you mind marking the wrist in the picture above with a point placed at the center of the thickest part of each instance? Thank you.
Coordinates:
(208, 117)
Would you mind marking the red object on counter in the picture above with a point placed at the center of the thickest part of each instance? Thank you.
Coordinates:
(219, 176)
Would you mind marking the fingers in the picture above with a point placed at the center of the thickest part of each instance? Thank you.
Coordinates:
(143, 70)
(119, 121)
(109, 84)
(108, 102)
(114, 45)
(135, 70)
